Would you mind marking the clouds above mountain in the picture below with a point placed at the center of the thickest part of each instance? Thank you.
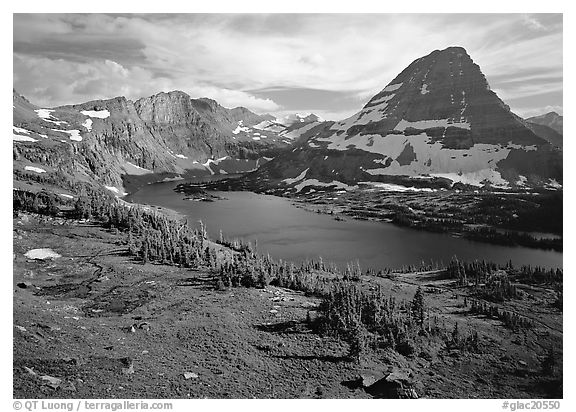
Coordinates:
(327, 63)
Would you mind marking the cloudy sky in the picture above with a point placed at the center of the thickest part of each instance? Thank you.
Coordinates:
(328, 64)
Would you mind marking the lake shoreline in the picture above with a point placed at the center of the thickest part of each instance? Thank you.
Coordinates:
(234, 218)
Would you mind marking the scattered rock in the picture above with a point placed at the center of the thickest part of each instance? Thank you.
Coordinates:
(51, 381)
(20, 328)
(190, 375)
(127, 366)
(368, 379)
(144, 326)
(68, 386)
(30, 371)
(42, 254)
(425, 355)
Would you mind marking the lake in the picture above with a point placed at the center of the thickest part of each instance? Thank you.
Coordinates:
(290, 233)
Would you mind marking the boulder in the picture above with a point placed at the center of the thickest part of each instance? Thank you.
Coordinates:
(51, 381)
(398, 384)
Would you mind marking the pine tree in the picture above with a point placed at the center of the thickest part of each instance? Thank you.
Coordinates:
(418, 307)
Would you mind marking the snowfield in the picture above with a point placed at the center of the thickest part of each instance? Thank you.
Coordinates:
(476, 178)
(42, 254)
(297, 178)
(74, 135)
(389, 187)
(88, 124)
(20, 130)
(315, 182)
(99, 114)
(45, 115)
(294, 134)
(211, 162)
(467, 166)
(240, 128)
(392, 87)
(427, 124)
(115, 190)
(133, 169)
(383, 99)
(20, 138)
(34, 169)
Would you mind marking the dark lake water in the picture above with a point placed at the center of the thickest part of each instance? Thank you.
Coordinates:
(287, 232)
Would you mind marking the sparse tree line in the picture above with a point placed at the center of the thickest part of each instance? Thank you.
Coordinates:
(364, 318)
(510, 319)
(477, 272)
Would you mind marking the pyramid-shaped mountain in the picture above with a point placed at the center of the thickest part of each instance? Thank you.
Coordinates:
(438, 119)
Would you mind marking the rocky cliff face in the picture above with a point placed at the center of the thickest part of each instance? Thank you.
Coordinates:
(437, 119)
(100, 141)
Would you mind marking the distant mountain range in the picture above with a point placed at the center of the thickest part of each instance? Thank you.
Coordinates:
(548, 126)
(168, 133)
(437, 121)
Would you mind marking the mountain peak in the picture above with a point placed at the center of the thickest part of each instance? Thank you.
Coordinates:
(438, 117)
(551, 119)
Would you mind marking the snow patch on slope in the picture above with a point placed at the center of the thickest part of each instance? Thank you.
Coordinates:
(476, 178)
(297, 178)
(34, 169)
(315, 182)
(240, 128)
(115, 190)
(389, 187)
(100, 114)
(45, 115)
(392, 87)
(74, 134)
(294, 134)
(88, 124)
(427, 124)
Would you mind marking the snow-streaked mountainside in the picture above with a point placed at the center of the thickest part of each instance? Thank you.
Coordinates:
(169, 133)
(437, 119)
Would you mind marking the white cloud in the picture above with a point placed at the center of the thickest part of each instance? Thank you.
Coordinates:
(222, 56)
(50, 82)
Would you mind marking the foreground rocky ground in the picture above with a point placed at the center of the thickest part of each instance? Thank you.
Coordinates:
(94, 323)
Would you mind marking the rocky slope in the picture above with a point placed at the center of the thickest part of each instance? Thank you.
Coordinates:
(438, 119)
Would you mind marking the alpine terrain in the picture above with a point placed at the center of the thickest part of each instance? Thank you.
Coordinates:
(165, 136)
(436, 122)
